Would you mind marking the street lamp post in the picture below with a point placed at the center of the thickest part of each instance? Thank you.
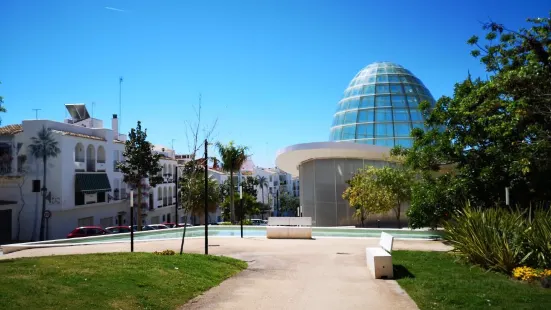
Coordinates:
(206, 199)
(132, 221)
(241, 202)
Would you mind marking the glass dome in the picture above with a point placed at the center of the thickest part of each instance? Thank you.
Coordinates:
(380, 107)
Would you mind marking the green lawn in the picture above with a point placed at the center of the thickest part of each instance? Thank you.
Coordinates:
(110, 281)
(436, 281)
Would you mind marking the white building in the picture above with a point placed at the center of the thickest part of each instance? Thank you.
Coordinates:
(83, 185)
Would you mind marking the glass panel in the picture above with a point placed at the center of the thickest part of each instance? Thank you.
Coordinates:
(382, 101)
(364, 131)
(403, 78)
(399, 101)
(367, 102)
(348, 132)
(418, 125)
(393, 79)
(408, 89)
(401, 130)
(381, 70)
(354, 91)
(353, 103)
(415, 115)
(384, 130)
(382, 78)
(383, 89)
(383, 115)
(340, 118)
(365, 141)
(337, 133)
(413, 101)
(404, 142)
(401, 115)
(396, 89)
(410, 79)
(369, 90)
(343, 105)
(365, 116)
(371, 79)
(350, 117)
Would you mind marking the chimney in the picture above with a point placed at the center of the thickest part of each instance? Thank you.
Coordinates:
(115, 126)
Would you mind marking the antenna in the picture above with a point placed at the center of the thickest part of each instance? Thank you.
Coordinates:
(93, 104)
(172, 144)
(120, 104)
(36, 112)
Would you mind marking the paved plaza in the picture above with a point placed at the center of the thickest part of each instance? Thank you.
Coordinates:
(326, 273)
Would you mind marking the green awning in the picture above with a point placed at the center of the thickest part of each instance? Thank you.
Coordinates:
(90, 183)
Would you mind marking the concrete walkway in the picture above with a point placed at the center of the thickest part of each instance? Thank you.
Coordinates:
(284, 274)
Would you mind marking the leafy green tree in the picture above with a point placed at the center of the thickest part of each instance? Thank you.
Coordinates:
(262, 183)
(249, 185)
(288, 203)
(496, 133)
(232, 157)
(367, 195)
(192, 193)
(140, 163)
(250, 206)
(398, 180)
(44, 146)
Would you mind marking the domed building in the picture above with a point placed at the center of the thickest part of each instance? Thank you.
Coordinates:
(378, 111)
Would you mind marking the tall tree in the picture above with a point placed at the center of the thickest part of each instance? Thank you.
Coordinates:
(232, 157)
(192, 192)
(140, 163)
(288, 203)
(249, 185)
(262, 183)
(43, 146)
(496, 132)
(367, 195)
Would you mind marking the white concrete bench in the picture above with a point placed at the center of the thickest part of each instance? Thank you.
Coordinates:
(289, 228)
(379, 259)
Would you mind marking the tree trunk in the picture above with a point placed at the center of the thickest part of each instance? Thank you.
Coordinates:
(139, 214)
(42, 219)
(232, 209)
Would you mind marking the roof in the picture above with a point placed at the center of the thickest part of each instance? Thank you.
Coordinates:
(289, 158)
(118, 141)
(10, 130)
(78, 135)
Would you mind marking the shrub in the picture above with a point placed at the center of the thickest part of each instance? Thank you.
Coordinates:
(225, 223)
(501, 238)
(165, 252)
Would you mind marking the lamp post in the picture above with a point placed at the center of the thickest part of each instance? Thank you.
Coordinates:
(132, 221)
(206, 198)
(241, 201)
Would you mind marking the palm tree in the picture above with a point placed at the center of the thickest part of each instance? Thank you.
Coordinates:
(262, 182)
(43, 146)
(232, 157)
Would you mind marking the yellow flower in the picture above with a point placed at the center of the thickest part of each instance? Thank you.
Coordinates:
(525, 273)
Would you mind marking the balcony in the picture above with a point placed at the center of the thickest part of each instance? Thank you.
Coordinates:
(165, 202)
(91, 165)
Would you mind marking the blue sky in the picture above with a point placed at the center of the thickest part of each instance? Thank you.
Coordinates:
(270, 72)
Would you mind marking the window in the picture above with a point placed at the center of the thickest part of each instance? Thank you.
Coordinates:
(336, 136)
(86, 221)
(369, 90)
(383, 130)
(393, 79)
(371, 79)
(404, 142)
(401, 130)
(399, 101)
(352, 104)
(351, 117)
(340, 118)
(413, 101)
(348, 132)
(364, 131)
(101, 197)
(367, 102)
(408, 89)
(382, 101)
(384, 142)
(382, 89)
(343, 105)
(396, 89)
(418, 125)
(416, 115)
(401, 115)
(365, 116)
(383, 115)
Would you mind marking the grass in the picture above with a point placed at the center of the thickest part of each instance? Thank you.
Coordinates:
(435, 280)
(110, 281)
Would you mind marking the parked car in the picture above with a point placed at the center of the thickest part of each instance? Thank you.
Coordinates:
(118, 229)
(87, 231)
(157, 226)
(170, 225)
(184, 224)
(257, 222)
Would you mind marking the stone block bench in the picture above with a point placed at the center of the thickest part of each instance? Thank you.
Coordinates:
(379, 259)
(289, 228)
